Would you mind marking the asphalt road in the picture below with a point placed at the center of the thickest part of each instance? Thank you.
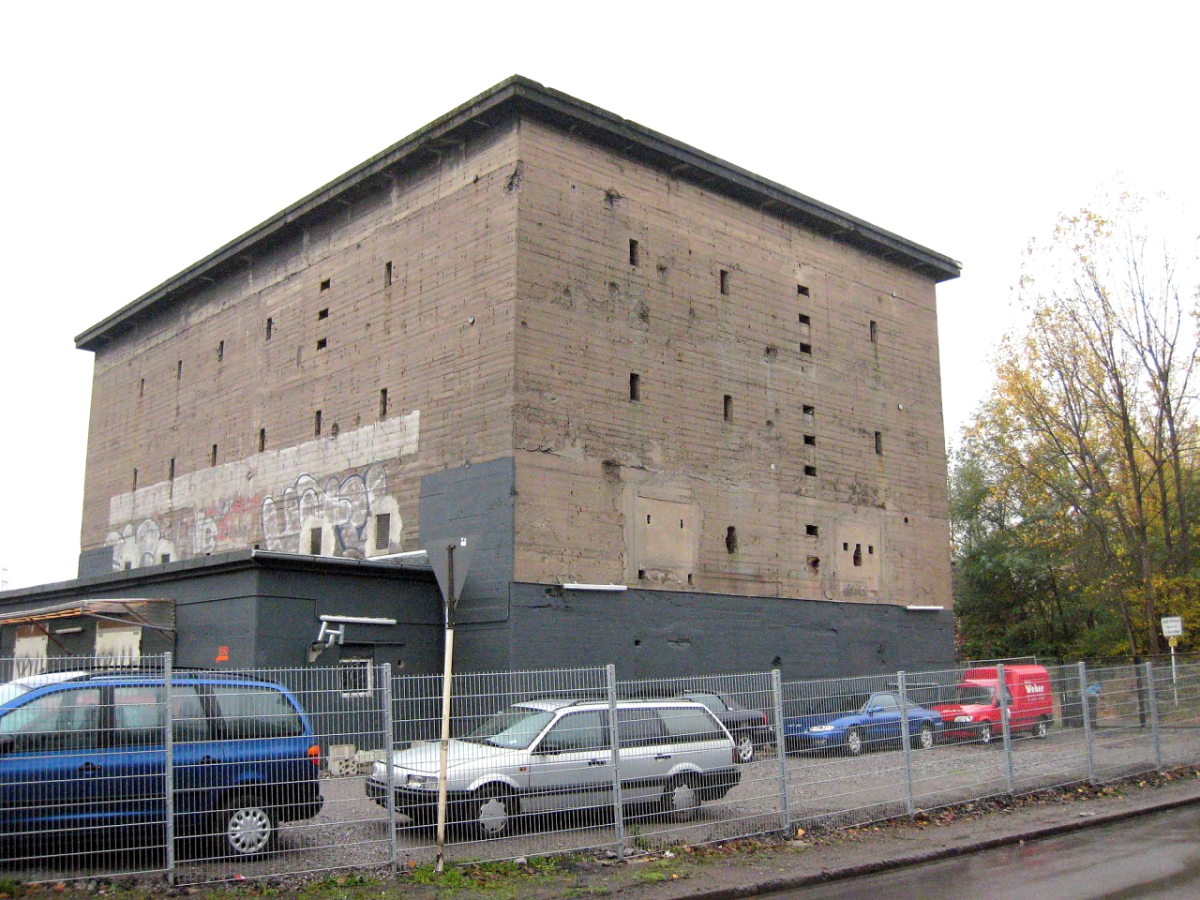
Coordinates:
(1154, 857)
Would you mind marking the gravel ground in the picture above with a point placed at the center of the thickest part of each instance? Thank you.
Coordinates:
(823, 791)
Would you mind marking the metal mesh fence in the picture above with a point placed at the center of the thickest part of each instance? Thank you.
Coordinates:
(510, 790)
(118, 767)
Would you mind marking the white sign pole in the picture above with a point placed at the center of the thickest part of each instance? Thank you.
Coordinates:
(1172, 629)
(1174, 682)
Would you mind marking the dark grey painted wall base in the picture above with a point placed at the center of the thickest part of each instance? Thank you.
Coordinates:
(650, 634)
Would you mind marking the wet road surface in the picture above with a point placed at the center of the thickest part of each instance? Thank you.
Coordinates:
(1155, 857)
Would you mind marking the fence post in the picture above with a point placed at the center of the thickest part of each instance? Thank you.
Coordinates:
(389, 739)
(614, 739)
(1087, 722)
(169, 767)
(905, 742)
(1154, 716)
(785, 815)
(1005, 725)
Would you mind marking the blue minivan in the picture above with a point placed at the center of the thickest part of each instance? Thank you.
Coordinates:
(86, 751)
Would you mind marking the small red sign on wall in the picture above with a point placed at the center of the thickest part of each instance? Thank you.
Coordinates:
(222, 654)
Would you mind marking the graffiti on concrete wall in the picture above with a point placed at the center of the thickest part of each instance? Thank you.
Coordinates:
(329, 491)
(347, 511)
(347, 507)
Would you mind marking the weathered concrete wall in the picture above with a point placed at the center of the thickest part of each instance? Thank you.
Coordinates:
(786, 434)
(406, 289)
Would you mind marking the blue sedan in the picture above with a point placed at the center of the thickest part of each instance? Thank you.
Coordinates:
(875, 723)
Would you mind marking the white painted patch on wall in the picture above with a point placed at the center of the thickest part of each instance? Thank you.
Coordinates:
(276, 495)
(267, 471)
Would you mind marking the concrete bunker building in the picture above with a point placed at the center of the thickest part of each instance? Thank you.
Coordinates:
(614, 358)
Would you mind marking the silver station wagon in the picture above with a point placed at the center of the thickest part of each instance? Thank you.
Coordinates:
(555, 756)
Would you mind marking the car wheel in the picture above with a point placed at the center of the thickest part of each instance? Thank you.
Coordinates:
(681, 799)
(985, 733)
(745, 748)
(924, 738)
(249, 826)
(492, 810)
(1041, 728)
(854, 742)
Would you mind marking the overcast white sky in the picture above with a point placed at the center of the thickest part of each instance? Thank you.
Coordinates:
(140, 137)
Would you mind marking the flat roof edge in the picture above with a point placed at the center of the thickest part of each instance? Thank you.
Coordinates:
(525, 95)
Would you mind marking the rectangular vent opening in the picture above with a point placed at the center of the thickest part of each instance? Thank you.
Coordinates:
(383, 528)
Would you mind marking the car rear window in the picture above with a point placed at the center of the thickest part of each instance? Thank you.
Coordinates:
(251, 711)
(690, 724)
(638, 727)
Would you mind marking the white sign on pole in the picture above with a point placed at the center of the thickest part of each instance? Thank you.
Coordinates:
(1172, 626)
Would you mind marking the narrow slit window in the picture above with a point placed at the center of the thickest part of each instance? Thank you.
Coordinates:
(858, 554)
(270, 327)
(809, 410)
(322, 344)
(724, 281)
(731, 540)
(870, 550)
(805, 319)
(802, 290)
(171, 469)
(728, 408)
(382, 402)
(142, 387)
(806, 349)
(810, 471)
(314, 541)
(262, 439)
(879, 443)
(641, 574)
(635, 386)
(383, 528)
(212, 459)
(323, 314)
(166, 558)
(221, 351)
(387, 274)
(135, 478)
(810, 440)
(633, 252)
(179, 370)
(874, 331)
(325, 284)
(317, 422)
(812, 530)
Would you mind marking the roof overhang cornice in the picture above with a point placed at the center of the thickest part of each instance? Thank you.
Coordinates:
(519, 96)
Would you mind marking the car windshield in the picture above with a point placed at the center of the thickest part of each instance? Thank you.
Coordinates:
(12, 691)
(514, 728)
(974, 695)
(880, 701)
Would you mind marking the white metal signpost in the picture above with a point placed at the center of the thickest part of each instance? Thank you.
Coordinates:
(1172, 629)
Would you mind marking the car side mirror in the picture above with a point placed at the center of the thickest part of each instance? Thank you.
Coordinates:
(871, 710)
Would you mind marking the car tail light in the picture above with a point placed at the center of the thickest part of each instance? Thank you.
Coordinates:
(764, 718)
(735, 756)
(314, 754)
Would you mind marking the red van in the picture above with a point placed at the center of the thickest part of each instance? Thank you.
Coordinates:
(975, 710)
